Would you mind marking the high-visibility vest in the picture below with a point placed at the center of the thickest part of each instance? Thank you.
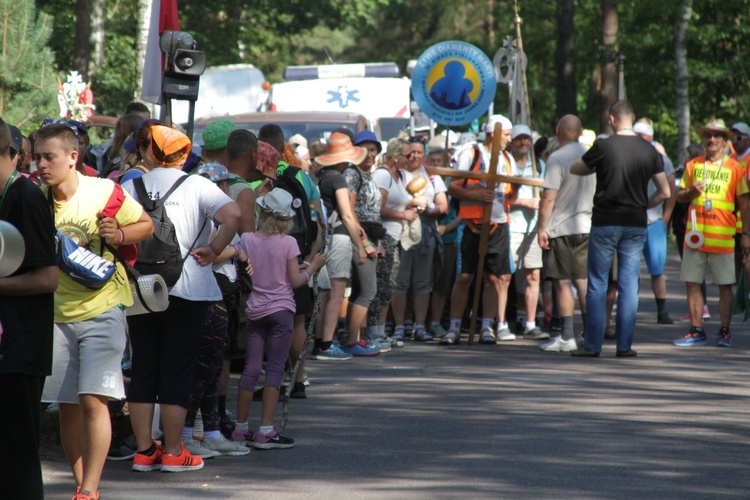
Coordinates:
(473, 210)
(722, 186)
(743, 164)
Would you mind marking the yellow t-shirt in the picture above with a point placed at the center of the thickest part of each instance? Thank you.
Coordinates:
(78, 218)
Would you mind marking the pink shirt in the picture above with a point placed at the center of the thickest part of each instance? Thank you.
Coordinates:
(272, 290)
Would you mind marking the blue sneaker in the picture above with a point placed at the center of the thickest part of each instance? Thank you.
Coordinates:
(333, 353)
(692, 338)
(361, 349)
(724, 338)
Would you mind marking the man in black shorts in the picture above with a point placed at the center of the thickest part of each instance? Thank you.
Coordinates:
(497, 264)
(564, 225)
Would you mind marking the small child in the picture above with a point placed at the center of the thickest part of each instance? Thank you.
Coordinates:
(270, 312)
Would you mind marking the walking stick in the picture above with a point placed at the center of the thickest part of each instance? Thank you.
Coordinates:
(310, 334)
(485, 235)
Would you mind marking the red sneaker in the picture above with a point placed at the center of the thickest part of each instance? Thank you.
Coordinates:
(148, 463)
(185, 461)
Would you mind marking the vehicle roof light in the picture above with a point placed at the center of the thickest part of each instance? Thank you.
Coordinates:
(370, 70)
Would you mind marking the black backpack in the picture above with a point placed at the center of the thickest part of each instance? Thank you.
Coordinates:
(160, 253)
(304, 229)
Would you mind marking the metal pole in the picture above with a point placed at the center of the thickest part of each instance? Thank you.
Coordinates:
(522, 62)
(621, 69)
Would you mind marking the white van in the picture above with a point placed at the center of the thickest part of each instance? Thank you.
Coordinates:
(374, 90)
(225, 90)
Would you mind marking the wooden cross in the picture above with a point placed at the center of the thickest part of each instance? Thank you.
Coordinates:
(491, 178)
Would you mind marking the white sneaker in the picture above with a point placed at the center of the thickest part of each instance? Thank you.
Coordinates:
(225, 447)
(558, 344)
(505, 334)
(196, 448)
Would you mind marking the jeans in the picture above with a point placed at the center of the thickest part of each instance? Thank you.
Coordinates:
(604, 241)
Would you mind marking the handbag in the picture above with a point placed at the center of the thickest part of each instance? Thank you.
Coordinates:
(375, 230)
(79, 263)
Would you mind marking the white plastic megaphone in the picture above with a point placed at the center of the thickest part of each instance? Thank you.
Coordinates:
(694, 239)
(12, 249)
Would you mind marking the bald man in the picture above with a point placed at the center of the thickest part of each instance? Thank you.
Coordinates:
(564, 225)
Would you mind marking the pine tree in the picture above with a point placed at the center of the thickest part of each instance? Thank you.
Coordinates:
(27, 71)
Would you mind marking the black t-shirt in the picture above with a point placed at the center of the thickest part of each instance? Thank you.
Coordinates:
(623, 165)
(330, 181)
(26, 344)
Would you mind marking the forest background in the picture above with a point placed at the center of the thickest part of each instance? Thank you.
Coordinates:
(685, 61)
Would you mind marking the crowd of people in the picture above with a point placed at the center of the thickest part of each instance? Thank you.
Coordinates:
(346, 236)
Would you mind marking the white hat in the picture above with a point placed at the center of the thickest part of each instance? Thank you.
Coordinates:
(490, 126)
(742, 128)
(300, 152)
(298, 140)
(277, 203)
(643, 128)
(520, 129)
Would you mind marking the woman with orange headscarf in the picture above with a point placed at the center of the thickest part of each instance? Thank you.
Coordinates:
(165, 344)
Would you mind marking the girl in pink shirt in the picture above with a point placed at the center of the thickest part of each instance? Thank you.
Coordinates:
(270, 313)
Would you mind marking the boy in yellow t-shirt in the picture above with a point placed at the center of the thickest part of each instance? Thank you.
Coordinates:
(89, 333)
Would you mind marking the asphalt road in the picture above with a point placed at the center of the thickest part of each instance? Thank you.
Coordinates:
(505, 421)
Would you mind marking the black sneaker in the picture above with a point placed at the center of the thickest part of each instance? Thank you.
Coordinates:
(122, 449)
(271, 441)
(664, 319)
(226, 426)
(520, 327)
(298, 391)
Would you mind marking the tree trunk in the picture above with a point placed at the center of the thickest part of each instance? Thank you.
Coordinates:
(97, 36)
(681, 80)
(566, 78)
(609, 65)
(144, 23)
(82, 41)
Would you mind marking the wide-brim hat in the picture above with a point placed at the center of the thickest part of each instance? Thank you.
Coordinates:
(716, 125)
(340, 150)
(278, 203)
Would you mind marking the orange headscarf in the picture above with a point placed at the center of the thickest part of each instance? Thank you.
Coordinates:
(169, 141)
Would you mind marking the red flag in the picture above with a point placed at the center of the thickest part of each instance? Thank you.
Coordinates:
(163, 17)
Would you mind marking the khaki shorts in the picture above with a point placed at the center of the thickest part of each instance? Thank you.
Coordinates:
(567, 258)
(86, 359)
(339, 261)
(694, 264)
(527, 254)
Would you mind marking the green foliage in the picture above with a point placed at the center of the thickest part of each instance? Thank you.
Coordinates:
(27, 72)
(275, 33)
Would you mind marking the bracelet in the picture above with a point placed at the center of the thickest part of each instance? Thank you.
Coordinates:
(214, 249)
(307, 275)
(306, 263)
(237, 249)
(369, 244)
(122, 237)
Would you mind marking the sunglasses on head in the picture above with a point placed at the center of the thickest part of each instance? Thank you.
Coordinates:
(418, 139)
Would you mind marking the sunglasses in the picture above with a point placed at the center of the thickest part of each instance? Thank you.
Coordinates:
(740, 137)
(420, 140)
(413, 153)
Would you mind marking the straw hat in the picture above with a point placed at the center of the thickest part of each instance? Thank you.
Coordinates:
(340, 150)
(716, 125)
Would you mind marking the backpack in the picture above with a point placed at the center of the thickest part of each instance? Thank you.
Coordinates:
(304, 229)
(160, 253)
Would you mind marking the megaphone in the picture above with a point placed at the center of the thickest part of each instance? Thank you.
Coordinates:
(12, 249)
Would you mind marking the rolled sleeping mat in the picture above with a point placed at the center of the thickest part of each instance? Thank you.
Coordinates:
(12, 249)
(155, 294)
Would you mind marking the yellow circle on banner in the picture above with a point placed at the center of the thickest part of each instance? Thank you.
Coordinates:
(470, 73)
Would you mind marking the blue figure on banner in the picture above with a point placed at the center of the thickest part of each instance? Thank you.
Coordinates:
(452, 90)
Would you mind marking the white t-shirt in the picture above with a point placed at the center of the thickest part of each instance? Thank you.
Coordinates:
(654, 214)
(397, 199)
(228, 267)
(522, 219)
(433, 189)
(571, 213)
(196, 200)
(466, 160)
